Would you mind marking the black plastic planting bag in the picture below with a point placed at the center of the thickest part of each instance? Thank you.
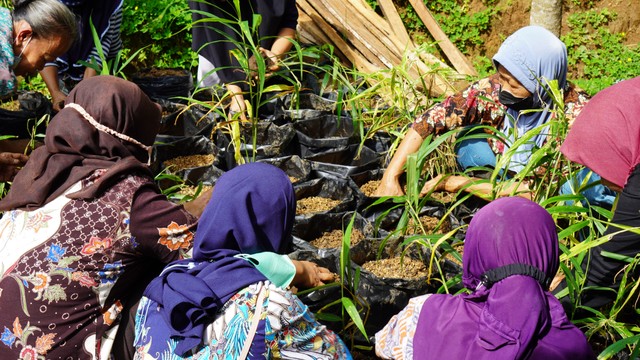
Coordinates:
(182, 120)
(194, 145)
(271, 140)
(345, 161)
(380, 142)
(310, 101)
(33, 106)
(164, 83)
(296, 168)
(387, 296)
(308, 231)
(329, 187)
(325, 131)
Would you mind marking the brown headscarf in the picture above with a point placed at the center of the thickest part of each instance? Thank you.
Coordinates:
(73, 148)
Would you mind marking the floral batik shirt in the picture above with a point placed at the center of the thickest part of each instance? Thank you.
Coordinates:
(395, 340)
(69, 267)
(479, 105)
(7, 77)
(288, 328)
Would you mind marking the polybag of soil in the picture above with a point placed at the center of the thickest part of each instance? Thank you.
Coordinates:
(327, 194)
(193, 159)
(271, 140)
(20, 123)
(296, 168)
(164, 83)
(325, 233)
(182, 120)
(345, 161)
(387, 294)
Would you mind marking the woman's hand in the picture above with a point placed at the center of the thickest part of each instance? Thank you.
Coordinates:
(445, 182)
(10, 164)
(57, 98)
(310, 275)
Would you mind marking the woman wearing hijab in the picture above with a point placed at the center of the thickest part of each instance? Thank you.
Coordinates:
(219, 302)
(106, 18)
(216, 33)
(605, 139)
(33, 33)
(510, 256)
(84, 224)
(526, 62)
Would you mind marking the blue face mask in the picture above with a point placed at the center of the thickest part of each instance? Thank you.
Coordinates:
(18, 59)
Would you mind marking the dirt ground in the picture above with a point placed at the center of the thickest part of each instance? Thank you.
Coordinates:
(515, 13)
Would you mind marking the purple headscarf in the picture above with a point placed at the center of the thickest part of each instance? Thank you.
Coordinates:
(511, 253)
(252, 210)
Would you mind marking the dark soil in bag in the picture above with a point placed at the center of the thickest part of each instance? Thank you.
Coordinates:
(20, 123)
(182, 120)
(167, 84)
(323, 195)
(191, 158)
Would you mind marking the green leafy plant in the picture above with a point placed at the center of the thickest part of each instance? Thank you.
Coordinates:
(115, 66)
(598, 57)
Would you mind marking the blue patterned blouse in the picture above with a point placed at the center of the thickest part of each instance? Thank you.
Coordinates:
(7, 77)
(290, 330)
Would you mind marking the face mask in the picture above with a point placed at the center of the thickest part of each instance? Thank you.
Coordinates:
(515, 103)
(18, 59)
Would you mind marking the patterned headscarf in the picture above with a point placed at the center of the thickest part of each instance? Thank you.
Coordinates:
(74, 148)
(510, 255)
(534, 56)
(252, 210)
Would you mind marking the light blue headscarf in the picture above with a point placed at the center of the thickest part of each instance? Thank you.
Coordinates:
(534, 56)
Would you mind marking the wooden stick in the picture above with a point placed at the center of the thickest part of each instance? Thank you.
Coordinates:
(457, 58)
(391, 13)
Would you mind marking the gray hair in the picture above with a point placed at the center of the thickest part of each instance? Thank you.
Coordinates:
(47, 18)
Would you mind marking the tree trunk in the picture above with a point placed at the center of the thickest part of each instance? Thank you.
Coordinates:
(548, 14)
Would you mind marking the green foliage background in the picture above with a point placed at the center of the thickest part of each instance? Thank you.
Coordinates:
(598, 57)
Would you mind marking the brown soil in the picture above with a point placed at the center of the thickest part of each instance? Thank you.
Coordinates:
(443, 196)
(370, 187)
(333, 239)
(13, 105)
(314, 204)
(191, 190)
(189, 161)
(428, 223)
(396, 268)
(155, 72)
(460, 250)
(514, 14)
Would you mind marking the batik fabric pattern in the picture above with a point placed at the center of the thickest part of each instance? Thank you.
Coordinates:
(290, 330)
(395, 340)
(67, 268)
(479, 105)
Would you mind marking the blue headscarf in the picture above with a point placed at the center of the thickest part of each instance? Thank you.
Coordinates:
(252, 210)
(534, 56)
